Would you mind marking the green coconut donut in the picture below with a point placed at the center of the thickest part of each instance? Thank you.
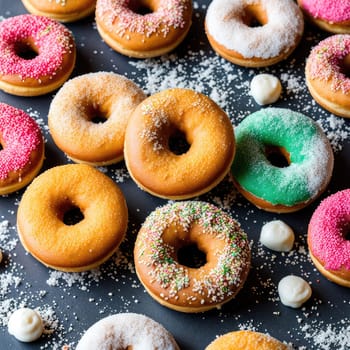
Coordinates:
(283, 160)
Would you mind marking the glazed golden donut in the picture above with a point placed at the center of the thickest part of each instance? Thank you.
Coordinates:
(22, 153)
(163, 172)
(163, 27)
(61, 10)
(72, 246)
(106, 95)
(325, 74)
(246, 340)
(231, 35)
(191, 289)
(37, 55)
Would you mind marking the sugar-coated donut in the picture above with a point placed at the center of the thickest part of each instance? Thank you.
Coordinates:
(326, 75)
(328, 237)
(229, 25)
(191, 289)
(22, 152)
(127, 331)
(26, 325)
(283, 161)
(246, 340)
(330, 15)
(42, 221)
(37, 55)
(125, 28)
(176, 114)
(108, 96)
(61, 10)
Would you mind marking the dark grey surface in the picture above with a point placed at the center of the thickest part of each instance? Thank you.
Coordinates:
(79, 300)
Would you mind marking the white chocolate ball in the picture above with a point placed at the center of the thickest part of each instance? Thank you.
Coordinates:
(294, 291)
(25, 325)
(277, 235)
(265, 88)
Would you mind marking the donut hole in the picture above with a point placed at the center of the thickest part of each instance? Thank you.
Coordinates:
(178, 143)
(277, 156)
(97, 115)
(141, 7)
(26, 50)
(345, 66)
(191, 256)
(254, 16)
(71, 214)
(346, 231)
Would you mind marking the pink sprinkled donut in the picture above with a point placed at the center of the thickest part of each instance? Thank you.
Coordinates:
(326, 75)
(328, 237)
(330, 15)
(143, 29)
(37, 55)
(22, 152)
(61, 10)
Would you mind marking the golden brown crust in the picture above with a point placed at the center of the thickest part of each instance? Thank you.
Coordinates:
(63, 11)
(246, 340)
(207, 129)
(89, 242)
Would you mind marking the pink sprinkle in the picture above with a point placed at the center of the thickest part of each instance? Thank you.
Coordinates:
(50, 38)
(20, 136)
(327, 231)
(333, 11)
(324, 62)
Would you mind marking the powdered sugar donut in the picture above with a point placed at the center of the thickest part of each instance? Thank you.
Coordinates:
(127, 30)
(37, 54)
(326, 78)
(22, 153)
(61, 10)
(229, 31)
(127, 331)
(328, 237)
(330, 15)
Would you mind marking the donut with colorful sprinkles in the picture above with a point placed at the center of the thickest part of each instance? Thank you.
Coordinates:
(326, 76)
(330, 15)
(283, 161)
(177, 285)
(37, 55)
(22, 153)
(328, 237)
(143, 29)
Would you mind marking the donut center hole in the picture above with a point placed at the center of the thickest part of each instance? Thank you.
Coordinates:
(72, 215)
(191, 256)
(346, 232)
(25, 50)
(97, 116)
(345, 66)
(98, 119)
(141, 7)
(254, 16)
(277, 156)
(178, 143)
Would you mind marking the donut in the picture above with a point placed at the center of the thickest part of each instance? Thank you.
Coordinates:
(61, 10)
(246, 340)
(330, 15)
(283, 161)
(72, 218)
(26, 325)
(326, 74)
(230, 26)
(37, 55)
(173, 284)
(22, 149)
(328, 237)
(178, 116)
(88, 116)
(143, 29)
(127, 331)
